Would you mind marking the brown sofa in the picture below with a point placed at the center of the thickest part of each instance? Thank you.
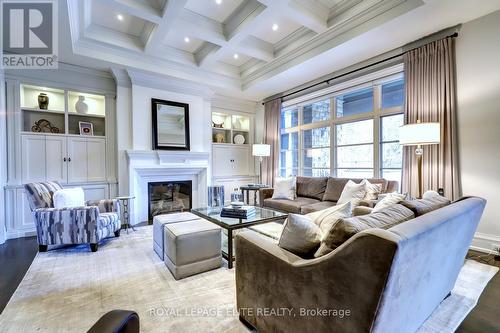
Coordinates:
(380, 280)
(317, 193)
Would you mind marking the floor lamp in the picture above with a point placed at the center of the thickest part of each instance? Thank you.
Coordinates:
(261, 150)
(419, 134)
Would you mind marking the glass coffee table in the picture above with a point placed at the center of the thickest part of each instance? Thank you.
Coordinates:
(262, 215)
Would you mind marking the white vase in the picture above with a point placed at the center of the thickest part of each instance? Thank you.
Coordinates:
(81, 106)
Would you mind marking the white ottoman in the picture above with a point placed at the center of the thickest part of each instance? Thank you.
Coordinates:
(159, 221)
(192, 247)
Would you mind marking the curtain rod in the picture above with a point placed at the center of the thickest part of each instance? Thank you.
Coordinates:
(327, 81)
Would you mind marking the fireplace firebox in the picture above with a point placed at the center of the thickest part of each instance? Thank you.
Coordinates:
(169, 197)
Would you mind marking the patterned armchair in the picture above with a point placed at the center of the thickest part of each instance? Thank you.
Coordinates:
(76, 225)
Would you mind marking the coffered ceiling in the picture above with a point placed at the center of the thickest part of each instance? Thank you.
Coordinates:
(230, 44)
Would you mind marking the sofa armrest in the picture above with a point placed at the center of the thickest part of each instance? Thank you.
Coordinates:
(269, 277)
(105, 205)
(265, 193)
(117, 321)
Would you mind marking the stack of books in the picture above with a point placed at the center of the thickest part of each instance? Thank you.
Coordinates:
(243, 212)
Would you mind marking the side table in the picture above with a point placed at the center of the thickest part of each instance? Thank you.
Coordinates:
(124, 204)
(255, 189)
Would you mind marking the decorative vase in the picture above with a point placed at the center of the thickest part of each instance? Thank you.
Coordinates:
(43, 101)
(81, 106)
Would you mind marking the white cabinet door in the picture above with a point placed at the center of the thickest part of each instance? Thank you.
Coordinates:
(56, 153)
(222, 165)
(77, 160)
(33, 158)
(240, 161)
(96, 160)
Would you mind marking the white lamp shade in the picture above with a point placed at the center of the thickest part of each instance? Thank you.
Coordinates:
(419, 134)
(261, 150)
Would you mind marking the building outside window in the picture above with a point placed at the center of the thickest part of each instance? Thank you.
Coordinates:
(348, 133)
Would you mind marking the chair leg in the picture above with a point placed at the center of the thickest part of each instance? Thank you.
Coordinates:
(117, 233)
(42, 248)
(93, 247)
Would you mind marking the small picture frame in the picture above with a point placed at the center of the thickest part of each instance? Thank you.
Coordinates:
(86, 128)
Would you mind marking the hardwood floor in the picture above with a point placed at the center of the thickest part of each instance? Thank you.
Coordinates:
(16, 256)
(485, 317)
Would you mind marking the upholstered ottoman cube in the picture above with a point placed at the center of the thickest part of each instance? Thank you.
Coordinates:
(159, 221)
(192, 247)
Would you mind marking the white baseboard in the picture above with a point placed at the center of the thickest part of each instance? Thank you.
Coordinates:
(12, 234)
(483, 242)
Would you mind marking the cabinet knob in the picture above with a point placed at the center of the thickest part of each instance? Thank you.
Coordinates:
(69, 159)
(64, 159)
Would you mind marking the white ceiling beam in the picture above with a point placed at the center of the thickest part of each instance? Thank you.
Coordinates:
(256, 48)
(169, 15)
(238, 28)
(311, 14)
(137, 9)
(201, 27)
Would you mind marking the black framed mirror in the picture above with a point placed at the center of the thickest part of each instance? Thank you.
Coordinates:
(170, 125)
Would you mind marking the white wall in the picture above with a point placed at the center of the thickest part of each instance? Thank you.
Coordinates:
(478, 92)
(199, 117)
(3, 156)
(123, 134)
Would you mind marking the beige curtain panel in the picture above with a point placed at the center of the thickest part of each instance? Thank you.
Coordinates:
(431, 97)
(270, 165)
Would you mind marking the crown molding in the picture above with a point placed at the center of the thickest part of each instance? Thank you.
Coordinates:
(170, 83)
(350, 24)
(234, 104)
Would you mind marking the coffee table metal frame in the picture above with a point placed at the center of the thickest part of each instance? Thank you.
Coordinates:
(242, 223)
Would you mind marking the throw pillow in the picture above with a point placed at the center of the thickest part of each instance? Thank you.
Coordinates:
(326, 218)
(284, 188)
(300, 235)
(348, 227)
(427, 204)
(388, 200)
(352, 192)
(69, 197)
(372, 190)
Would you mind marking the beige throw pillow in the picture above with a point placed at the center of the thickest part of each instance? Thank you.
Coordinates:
(388, 200)
(284, 188)
(327, 217)
(372, 190)
(352, 192)
(348, 227)
(300, 235)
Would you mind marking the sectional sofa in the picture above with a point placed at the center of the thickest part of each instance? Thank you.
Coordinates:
(380, 280)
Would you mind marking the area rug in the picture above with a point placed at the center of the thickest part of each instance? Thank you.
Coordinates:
(67, 290)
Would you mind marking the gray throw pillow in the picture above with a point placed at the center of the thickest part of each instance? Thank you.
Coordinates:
(348, 227)
(300, 235)
(426, 204)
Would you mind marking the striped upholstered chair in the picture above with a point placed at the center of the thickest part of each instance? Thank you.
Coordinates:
(75, 225)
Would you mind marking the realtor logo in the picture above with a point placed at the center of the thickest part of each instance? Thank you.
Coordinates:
(29, 35)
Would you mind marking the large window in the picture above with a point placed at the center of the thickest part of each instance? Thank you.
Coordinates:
(351, 133)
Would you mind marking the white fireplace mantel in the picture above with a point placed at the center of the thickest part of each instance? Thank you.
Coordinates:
(154, 165)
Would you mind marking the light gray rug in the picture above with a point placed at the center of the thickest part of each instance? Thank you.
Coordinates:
(69, 289)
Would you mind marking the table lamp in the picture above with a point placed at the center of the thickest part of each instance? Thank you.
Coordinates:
(261, 150)
(419, 134)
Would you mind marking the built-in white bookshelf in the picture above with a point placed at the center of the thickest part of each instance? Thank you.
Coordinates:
(226, 128)
(60, 115)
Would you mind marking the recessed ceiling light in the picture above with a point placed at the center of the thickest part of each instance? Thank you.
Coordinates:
(275, 27)
(235, 56)
(218, 2)
(119, 17)
(186, 39)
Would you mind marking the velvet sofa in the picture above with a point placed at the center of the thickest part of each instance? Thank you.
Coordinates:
(317, 193)
(388, 280)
